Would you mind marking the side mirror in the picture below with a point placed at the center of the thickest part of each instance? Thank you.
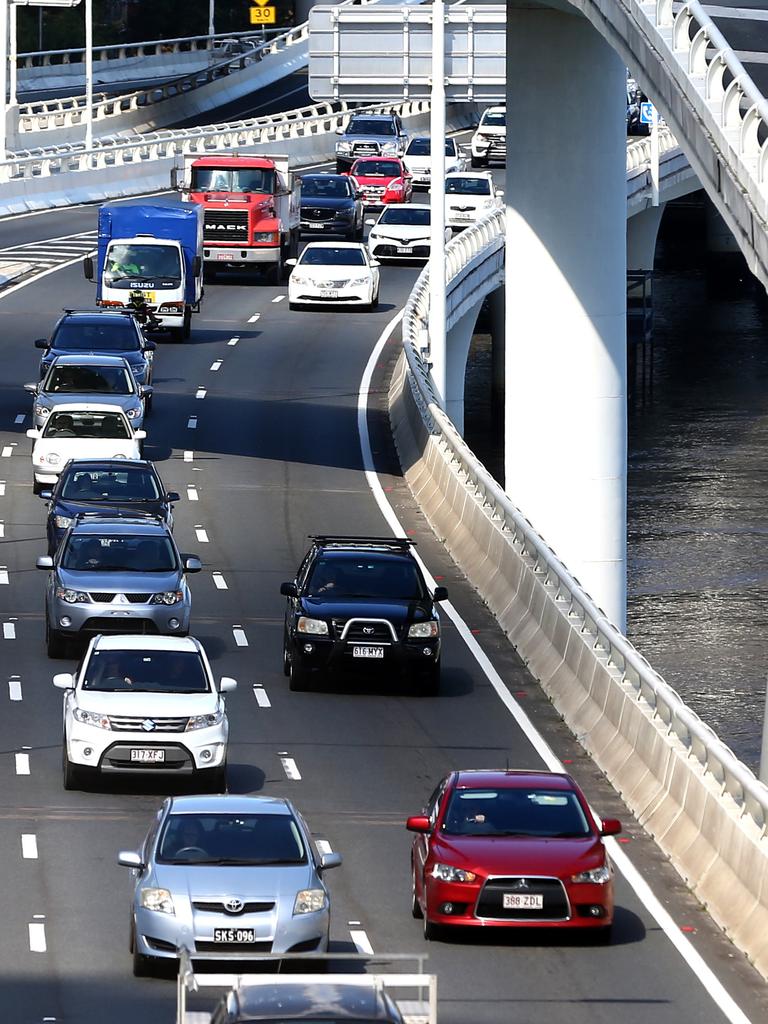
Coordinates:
(44, 562)
(88, 268)
(289, 590)
(145, 390)
(440, 594)
(419, 823)
(611, 827)
(339, 131)
(227, 685)
(31, 388)
(149, 346)
(375, 263)
(46, 495)
(129, 859)
(330, 860)
(291, 262)
(173, 496)
(192, 563)
(499, 192)
(139, 435)
(64, 681)
(33, 434)
(41, 343)
(197, 266)
(368, 220)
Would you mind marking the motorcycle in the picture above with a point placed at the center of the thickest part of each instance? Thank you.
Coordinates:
(146, 319)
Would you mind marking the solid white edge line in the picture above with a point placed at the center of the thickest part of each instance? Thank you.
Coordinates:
(636, 882)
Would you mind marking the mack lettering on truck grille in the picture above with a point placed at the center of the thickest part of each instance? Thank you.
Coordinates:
(225, 226)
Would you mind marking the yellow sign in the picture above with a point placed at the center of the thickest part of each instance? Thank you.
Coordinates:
(261, 3)
(263, 15)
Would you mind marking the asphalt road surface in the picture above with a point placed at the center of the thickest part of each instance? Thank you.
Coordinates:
(276, 455)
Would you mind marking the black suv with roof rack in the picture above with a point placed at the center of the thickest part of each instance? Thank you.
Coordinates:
(103, 332)
(361, 604)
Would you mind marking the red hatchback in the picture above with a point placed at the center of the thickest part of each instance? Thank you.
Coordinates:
(515, 849)
(382, 180)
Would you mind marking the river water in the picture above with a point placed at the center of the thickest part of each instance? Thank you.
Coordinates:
(697, 485)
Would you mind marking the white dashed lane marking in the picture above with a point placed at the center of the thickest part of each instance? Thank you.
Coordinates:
(219, 582)
(360, 939)
(216, 364)
(22, 764)
(20, 418)
(201, 393)
(188, 456)
(9, 631)
(7, 452)
(202, 536)
(289, 766)
(37, 942)
(2, 528)
(261, 696)
(29, 846)
(233, 341)
(192, 492)
(2, 488)
(14, 688)
(239, 634)
(3, 575)
(278, 298)
(192, 423)
(254, 318)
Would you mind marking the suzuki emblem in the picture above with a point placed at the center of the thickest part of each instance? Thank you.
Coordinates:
(148, 725)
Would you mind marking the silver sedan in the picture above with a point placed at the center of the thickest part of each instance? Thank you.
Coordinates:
(229, 874)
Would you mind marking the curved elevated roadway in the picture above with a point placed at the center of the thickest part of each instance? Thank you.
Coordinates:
(276, 454)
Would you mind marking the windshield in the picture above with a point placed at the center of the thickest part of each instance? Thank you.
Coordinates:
(105, 425)
(549, 813)
(231, 839)
(332, 257)
(118, 554)
(113, 486)
(126, 262)
(467, 186)
(377, 169)
(497, 119)
(113, 336)
(405, 215)
(111, 671)
(233, 179)
(325, 188)
(368, 126)
(423, 147)
(89, 380)
(389, 578)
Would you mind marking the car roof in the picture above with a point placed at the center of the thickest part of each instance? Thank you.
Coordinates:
(325, 174)
(485, 175)
(479, 778)
(382, 555)
(86, 407)
(230, 803)
(323, 1000)
(102, 464)
(99, 525)
(247, 161)
(334, 245)
(98, 315)
(373, 117)
(89, 359)
(146, 643)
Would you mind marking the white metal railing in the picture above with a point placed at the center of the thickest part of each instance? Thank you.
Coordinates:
(702, 744)
(639, 150)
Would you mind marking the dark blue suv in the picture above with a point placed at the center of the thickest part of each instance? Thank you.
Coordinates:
(103, 333)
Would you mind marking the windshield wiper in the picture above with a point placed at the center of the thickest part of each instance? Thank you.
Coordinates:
(235, 862)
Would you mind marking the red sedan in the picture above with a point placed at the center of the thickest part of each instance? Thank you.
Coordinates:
(511, 849)
(382, 180)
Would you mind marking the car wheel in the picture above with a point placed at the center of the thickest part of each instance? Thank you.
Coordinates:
(293, 305)
(286, 660)
(360, 231)
(69, 772)
(478, 161)
(148, 405)
(431, 931)
(217, 778)
(36, 487)
(375, 303)
(416, 910)
(602, 936)
(187, 328)
(209, 274)
(142, 965)
(298, 677)
(55, 643)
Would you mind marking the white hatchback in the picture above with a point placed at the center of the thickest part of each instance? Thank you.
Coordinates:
(144, 705)
(418, 159)
(334, 273)
(469, 196)
(81, 431)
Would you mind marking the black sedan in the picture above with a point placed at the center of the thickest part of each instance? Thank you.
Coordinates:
(361, 605)
(105, 488)
(102, 332)
(330, 205)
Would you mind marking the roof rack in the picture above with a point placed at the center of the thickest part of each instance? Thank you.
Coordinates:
(116, 512)
(96, 310)
(391, 542)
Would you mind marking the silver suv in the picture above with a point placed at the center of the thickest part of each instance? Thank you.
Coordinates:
(370, 135)
(122, 575)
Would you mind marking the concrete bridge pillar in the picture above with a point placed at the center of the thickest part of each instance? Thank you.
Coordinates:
(565, 422)
(458, 341)
(496, 310)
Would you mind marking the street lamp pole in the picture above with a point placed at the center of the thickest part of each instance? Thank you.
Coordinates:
(13, 52)
(3, 75)
(437, 347)
(89, 74)
(211, 17)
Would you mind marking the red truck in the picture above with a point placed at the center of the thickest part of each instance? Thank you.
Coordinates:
(252, 210)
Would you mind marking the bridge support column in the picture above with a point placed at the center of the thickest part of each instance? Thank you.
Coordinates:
(458, 341)
(565, 423)
(496, 311)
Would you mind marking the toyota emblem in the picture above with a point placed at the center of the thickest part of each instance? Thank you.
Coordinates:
(233, 905)
(368, 630)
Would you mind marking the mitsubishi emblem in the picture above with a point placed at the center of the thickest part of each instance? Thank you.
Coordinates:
(120, 599)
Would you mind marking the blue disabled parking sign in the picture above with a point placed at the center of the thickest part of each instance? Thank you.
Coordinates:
(646, 113)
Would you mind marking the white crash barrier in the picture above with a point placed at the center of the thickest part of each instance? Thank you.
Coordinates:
(706, 809)
(127, 168)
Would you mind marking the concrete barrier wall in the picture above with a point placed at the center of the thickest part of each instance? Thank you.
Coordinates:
(706, 811)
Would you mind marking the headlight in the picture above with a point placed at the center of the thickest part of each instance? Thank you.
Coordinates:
(91, 718)
(309, 901)
(168, 597)
(421, 630)
(157, 899)
(205, 721)
(266, 236)
(343, 147)
(137, 371)
(42, 410)
(314, 626)
(300, 279)
(447, 873)
(359, 280)
(389, 147)
(62, 522)
(52, 458)
(133, 413)
(597, 876)
(71, 596)
(373, 236)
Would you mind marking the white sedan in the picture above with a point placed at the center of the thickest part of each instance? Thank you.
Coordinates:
(81, 431)
(334, 273)
(469, 196)
(402, 233)
(418, 159)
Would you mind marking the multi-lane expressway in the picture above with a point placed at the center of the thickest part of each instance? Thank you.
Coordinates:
(272, 452)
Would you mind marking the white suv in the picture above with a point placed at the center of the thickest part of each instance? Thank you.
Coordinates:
(490, 140)
(144, 705)
(469, 195)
